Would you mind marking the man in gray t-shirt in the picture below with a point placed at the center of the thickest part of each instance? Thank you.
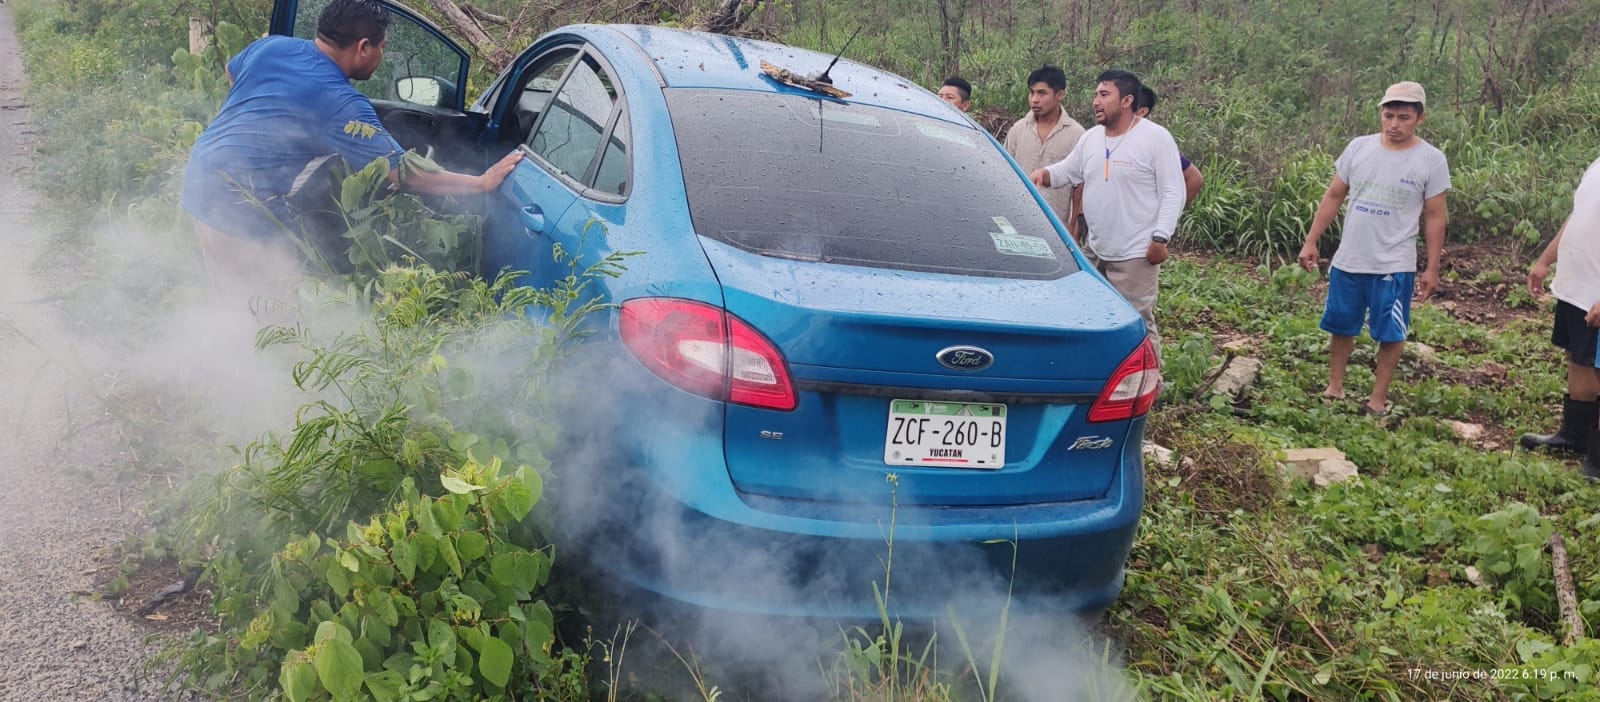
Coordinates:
(1395, 184)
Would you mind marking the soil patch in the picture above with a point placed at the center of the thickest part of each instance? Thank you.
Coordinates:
(160, 595)
(1479, 280)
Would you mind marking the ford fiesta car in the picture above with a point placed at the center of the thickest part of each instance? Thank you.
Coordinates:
(854, 344)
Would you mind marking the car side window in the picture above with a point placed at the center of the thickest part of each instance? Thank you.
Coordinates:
(534, 93)
(612, 174)
(569, 132)
(418, 67)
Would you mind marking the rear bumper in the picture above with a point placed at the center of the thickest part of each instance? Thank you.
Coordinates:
(692, 537)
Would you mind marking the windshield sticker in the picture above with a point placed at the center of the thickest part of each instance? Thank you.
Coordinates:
(1008, 241)
(934, 131)
(843, 116)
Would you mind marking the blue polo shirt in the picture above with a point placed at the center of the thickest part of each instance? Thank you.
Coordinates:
(290, 104)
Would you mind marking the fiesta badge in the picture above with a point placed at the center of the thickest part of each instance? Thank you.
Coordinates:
(965, 358)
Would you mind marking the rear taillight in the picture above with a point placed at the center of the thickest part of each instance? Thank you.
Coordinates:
(1132, 389)
(706, 351)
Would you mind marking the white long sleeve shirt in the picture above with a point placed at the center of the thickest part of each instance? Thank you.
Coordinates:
(1132, 187)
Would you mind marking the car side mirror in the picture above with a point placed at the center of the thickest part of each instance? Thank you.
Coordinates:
(426, 91)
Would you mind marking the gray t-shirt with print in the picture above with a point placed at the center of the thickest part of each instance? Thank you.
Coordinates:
(1384, 208)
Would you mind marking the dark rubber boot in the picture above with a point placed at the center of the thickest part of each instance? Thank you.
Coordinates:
(1591, 461)
(1578, 419)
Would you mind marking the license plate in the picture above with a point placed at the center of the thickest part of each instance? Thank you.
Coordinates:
(959, 434)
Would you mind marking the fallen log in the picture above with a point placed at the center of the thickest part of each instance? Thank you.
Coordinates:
(1566, 594)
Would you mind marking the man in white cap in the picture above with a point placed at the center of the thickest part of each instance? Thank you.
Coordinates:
(1395, 183)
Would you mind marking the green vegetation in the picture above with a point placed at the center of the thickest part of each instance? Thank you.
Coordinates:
(377, 542)
(1262, 95)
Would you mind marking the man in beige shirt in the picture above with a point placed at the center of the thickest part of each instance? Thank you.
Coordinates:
(1046, 135)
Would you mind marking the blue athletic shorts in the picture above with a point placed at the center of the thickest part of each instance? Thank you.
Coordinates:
(1381, 300)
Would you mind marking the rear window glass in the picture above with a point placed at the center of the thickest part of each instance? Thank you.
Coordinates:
(793, 176)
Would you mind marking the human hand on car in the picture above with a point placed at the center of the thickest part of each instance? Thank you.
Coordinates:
(497, 173)
(1536, 276)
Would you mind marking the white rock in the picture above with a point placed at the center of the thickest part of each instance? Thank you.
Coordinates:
(1238, 376)
(1238, 344)
(1466, 430)
(1473, 576)
(1424, 352)
(1322, 466)
(1157, 454)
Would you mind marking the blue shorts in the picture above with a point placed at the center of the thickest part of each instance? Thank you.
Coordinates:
(1381, 300)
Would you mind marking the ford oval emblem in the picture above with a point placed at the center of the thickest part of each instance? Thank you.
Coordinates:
(965, 358)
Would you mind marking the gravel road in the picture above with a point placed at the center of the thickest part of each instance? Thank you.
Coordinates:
(60, 504)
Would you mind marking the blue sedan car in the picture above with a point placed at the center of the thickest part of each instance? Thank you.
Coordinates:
(853, 323)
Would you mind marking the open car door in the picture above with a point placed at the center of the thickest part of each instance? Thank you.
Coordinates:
(418, 91)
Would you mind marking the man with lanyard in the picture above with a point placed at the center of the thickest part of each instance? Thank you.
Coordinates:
(1126, 178)
(291, 109)
(1577, 322)
(1046, 134)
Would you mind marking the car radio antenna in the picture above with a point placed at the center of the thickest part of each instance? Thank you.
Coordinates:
(823, 76)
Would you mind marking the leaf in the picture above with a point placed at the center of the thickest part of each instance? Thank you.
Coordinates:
(382, 604)
(381, 472)
(461, 441)
(538, 632)
(1528, 648)
(472, 637)
(449, 511)
(457, 485)
(427, 552)
(447, 551)
(385, 685)
(495, 661)
(339, 667)
(338, 578)
(332, 631)
(404, 556)
(517, 570)
(1324, 674)
(349, 561)
(298, 680)
(515, 499)
(442, 638)
(470, 546)
(425, 519)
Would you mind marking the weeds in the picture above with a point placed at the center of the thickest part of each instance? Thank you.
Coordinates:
(1239, 587)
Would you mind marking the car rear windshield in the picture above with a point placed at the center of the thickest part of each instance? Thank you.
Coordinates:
(794, 176)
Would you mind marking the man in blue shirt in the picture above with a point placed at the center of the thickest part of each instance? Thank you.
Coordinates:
(290, 108)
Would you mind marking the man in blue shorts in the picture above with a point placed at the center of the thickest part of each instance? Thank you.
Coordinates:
(1577, 325)
(1395, 184)
(291, 109)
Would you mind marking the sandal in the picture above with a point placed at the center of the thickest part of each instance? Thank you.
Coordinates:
(1367, 411)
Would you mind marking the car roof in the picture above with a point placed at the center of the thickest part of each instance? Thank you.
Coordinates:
(692, 59)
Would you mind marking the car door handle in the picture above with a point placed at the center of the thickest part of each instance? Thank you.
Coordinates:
(533, 219)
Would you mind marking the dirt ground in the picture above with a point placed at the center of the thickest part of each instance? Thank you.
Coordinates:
(62, 509)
